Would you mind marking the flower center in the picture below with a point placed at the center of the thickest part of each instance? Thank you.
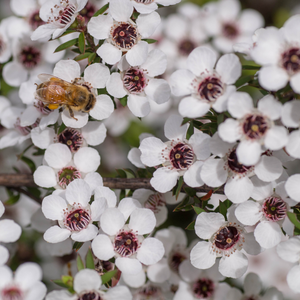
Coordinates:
(211, 88)
(155, 201)
(134, 80)
(77, 220)
(186, 47)
(30, 57)
(175, 259)
(72, 138)
(35, 21)
(62, 14)
(88, 11)
(181, 156)
(274, 209)
(149, 292)
(144, 1)
(255, 126)
(124, 35)
(90, 296)
(67, 175)
(230, 30)
(291, 60)
(126, 243)
(203, 288)
(234, 164)
(26, 129)
(11, 293)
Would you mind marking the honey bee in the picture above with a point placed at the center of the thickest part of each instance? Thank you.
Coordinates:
(55, 92)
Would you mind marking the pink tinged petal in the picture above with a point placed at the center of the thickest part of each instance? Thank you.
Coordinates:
(229, 67)
(29, 116)
(229, 130)
(97, 75)
(55, 234)
(42, 138)
(102, 247)
(208, 223)
(173, 129)
(104, 107)
(128, 205)
(181, 82)
(240, 104)
(118, 292)
(53, 207)
(142, 221)
(200, 143)
(151, 149)
(87, 159)
(164, 180)
(192, 176)
(97, 208)
(134, 156)
(238, 189)
(268, 169)
(293, 145)
(94, 180)
(6, 276)
(86, 280)
(252, 284)
(82, 119)
(276, 138)
(129, 266)
(79, 192)
(201, 59)
(108, 194)
(9, 231)
(292, 187)
(293, 279)
(139, 105)
(4, 255)
(201, 256)
(111, 221)
(27, 275)
(192, 108)
(145, 8)
(158, 90)
(248, 213)
(67, 70)
(159, 272)
(291, 114)
(248, 152)
(221, 104)
(86, 234)
(156, 63)
(14, 73)
(100, 26)
(115, 86)
(109, 53)
(94, 133)
(137, 54)
(147, 24)
(270, 107)
(261, 189)
(151, 251)
(268, 234)
(273, 78)
(45, 176)
(234, 266)
(289, 250)
(295, 82)
(213, 172)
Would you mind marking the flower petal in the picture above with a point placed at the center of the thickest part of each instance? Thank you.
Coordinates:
(147, 24)
(100, 26)
(86, 280)
(213, 172)
(9, 231)
(229, 67)
(109, 53)
(268, 168)
(164, 180)
(234, 266)
(268, 234)
(55, 234)
(115, 86)
(173, 129)
(248, 213)
(192, 108)
(79, 192)
(142, 221)
(238, 189)
(137, 54)
(87, 159)
(86, 234)
(158, 90)
(248, 152)
(208, 223)
(45, 176)
(53, 207)
(273, 78)
(103, 108)
(201, 256)
(151, 251)
(97, 75)
(129, 266)
(102, 247)
(111, 221)
(67, 70)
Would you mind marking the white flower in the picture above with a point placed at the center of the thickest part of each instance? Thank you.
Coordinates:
(227, 169)
(226, 239)
(207, 86)
(228, 25)
(269, 213)
(254, 127)
(95, 76)
(5, 52)
(122, 34)
(25, 283)
(139, 83)
(124, 241)
(58, 15)
(179, 156)
(87, 285)
(73, 212)
(9, 232)
(62, 167)
(292, 187)
(278, 51)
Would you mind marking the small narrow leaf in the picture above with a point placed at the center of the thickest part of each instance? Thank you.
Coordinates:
(121, 173)
(82, 56)
(207, 196)
(122, 194)
(91, 58)
(191, 226)
(12, 198)
(130, 172)
(250, 67)
(181, 205)
(198, 210)
(77, 245)
(223, 209)
(123, 100)
(80, 264)
(89, 261)
(190, 191)
(101, 10)
(60, 283)
(61, 128)
(293, 218)
(149, 41)
(66, 45)
(108, 276)
(190, 130)
(29, 163)
(81, 42)
(179, 186)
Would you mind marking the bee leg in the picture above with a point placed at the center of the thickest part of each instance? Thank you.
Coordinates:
(72, 113)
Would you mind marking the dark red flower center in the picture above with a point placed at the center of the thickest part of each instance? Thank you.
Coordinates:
(181, 156)
(227, 237)
(230, 30)
(77, 220)
(134, 80)
(72, 138)
(90, 296)
(186, 46)
(203, 288)
(67, 175)
(35, 21)
(124, 35)
(291, 60)
(274, 209)
(12, 293)
(211, 88)
(175, 259)
(234, 164)
(155, 201)
(30, 57)
(126, 243)
(255, 126)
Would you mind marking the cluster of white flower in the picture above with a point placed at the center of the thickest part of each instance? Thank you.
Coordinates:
(78, 65)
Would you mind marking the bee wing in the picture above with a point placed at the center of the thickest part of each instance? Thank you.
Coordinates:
(47, 77)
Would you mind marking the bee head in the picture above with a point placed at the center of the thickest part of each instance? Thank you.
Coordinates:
(91, 103)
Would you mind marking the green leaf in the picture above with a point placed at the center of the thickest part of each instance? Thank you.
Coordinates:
(39, 151)
(243, 80)
(121, 173)
(179, 186)
(251, 67)
(29, 163)
(108, 276)
(130, 172)
(81, 42)
(149, 41)
(62, 127)
(186, 120)
(12, 197)
(66, 45)
(181, 205)
(101, 10)
(198, 210)
(190, 130)
(191, 226)
(123, 100)
(60, 283)
(89, 261)
(190, 191)
(220, 119)
(293, 218)
(80, 265)
(77, 245)
(223, 209)
(82, 56)
(91, 58)
(34, 191)
(122, 194)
